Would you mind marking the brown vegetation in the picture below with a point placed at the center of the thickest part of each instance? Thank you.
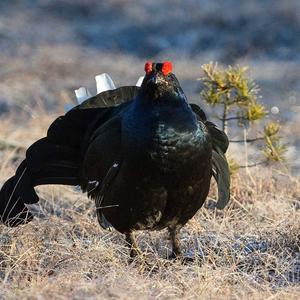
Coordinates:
(249, 250)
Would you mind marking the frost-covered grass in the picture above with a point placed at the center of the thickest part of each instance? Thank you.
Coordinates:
(249, 250)
(49, 48)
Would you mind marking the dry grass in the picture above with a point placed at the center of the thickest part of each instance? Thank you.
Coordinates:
(249, 250)
(49, 48)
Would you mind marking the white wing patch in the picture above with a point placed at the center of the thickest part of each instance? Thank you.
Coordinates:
(82, 94)
(103, 83)
(140, 81)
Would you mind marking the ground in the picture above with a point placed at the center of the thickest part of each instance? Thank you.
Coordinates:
(50, 48)
(249, 250)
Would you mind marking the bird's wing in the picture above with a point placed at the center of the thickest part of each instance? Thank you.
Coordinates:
(110, 98)
(105, 185)
(220, 166)
(57, 158)
(101, 164)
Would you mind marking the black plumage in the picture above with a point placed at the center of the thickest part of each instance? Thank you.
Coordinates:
(144, 155)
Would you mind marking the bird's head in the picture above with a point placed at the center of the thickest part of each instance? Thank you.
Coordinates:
(159, 81)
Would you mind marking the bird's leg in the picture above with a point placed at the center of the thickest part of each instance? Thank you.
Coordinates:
(176, 248)
(133, 247)
(135, 252)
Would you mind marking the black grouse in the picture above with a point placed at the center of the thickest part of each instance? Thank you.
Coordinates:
(144, 154)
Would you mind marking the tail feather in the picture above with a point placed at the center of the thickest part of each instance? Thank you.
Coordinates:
(45, 163)
(56, 173)
(23, 185)
(56, 159)
(13, 211)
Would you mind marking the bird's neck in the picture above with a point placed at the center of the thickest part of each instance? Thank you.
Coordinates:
(168, 109)
(162, 135)
(146, 119)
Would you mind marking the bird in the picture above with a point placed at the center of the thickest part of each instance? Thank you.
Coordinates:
(144, 154)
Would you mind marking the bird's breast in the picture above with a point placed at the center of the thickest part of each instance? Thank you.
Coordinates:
(172, 150)
(164, 141)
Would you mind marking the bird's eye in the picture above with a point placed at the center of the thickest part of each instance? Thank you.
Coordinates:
(148, 67)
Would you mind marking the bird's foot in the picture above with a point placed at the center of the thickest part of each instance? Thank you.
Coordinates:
(137, 257)
(185, 260)
(142, 262)
(135, 254)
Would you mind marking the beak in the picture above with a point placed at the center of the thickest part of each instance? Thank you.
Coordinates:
(156, 79)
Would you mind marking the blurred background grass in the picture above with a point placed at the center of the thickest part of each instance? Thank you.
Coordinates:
(48, 48)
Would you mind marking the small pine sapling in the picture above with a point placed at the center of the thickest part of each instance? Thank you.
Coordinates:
(237, 96)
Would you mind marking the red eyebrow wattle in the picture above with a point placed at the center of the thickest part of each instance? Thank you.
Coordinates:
(167, 68)
(148, 67)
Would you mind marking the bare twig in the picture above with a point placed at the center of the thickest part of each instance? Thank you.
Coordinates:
(224, 118)
(231, 118)
(247, 140)
(254, 164)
